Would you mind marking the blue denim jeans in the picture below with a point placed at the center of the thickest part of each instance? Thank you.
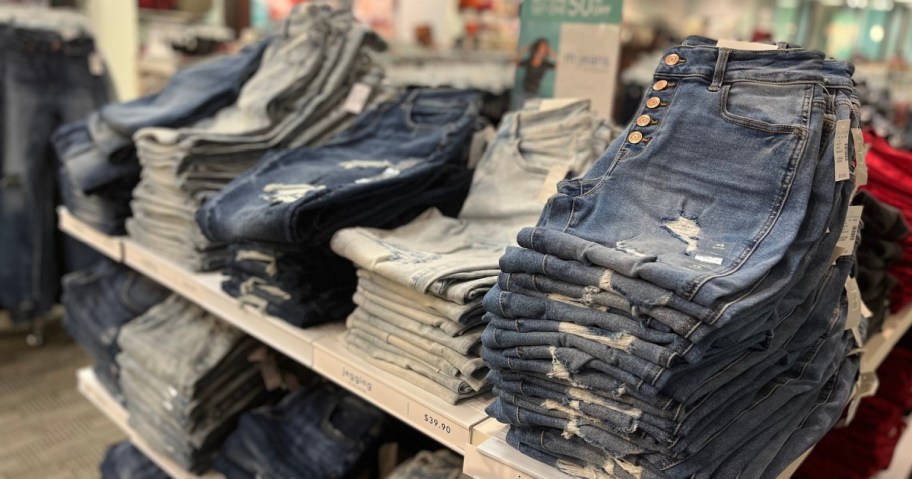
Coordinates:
(47, 81)
(401, 146)
(124, 461)
(318, 431)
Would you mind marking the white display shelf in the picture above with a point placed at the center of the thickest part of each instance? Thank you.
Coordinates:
(878, 346)
(101, 399)
(449, 424)
(490, 457)
(110, 246)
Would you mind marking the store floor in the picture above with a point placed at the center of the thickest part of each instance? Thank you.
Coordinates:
(48, 430)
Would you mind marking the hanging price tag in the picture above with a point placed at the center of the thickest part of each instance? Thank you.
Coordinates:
(357, 98)
(861, 150)
(841, 149)
(96, 64)
(846, 244)
(853, 295)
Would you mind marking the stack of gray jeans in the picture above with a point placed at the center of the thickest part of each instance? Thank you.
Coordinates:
(420, 285)
(683, 310)
(185, 376)
(299, 96)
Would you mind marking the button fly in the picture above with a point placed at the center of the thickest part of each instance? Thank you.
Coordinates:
(644, 120)
(660, 85)
(672, 59)
(653, 102)
(635, 137)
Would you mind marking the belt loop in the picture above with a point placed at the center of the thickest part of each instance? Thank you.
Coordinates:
(719, 74)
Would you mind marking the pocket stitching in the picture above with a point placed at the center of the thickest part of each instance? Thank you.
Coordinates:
(772, 128)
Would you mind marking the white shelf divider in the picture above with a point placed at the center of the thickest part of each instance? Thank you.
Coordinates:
(878, 346)
(449, 424)
(92, 390)
(110, 246)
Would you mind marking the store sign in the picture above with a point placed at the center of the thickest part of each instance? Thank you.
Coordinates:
(569, 49)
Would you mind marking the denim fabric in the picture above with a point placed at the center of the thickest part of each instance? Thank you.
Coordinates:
(316, 432)
(186, 376)
(457, 258)
(124, 461)
(301, 82)
(675, 312)
(98, 303)
(441, 464)
(47, 81)
(409, 143)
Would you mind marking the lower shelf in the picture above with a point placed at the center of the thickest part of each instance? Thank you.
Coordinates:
(491, 457)
(101, 399)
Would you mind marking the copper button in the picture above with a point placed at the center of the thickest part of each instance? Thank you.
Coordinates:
(653, 102)
(635, 137)
(644, 120)
(672, 59)
(660, 85)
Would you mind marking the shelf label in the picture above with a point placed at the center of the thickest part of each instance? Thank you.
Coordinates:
(437, 425)
(366, 385)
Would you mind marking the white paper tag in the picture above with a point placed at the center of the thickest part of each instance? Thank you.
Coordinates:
(861, 150)
(96, 64)
(549, 186)
(853, 295)
(849, 230)
(841, 149)
(739, 45)
(865, 311)
(357, 98)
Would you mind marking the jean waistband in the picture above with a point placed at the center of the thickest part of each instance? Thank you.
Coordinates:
(529, 123)
(699, 57)
(45, 42)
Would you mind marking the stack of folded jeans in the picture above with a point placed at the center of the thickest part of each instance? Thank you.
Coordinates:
(45, 60)
(890, 177)
(420, 285)
(442, 464)
(186, 377)
(315, 432)
(305, 288)
(881, 247)
(98, 302)
(99, 164)
(297, 97)
(679, 310)
(124, 461)
(396, 161)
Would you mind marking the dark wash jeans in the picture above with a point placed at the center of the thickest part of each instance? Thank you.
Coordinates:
(124, 461)
(371, 172)
(316, 432)
(46, 81)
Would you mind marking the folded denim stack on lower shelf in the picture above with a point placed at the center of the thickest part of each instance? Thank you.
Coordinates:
(98, 303)
(316, 432)
(124, 461)
(186, 377)
(399, 159)
(297, 97)
(677, 312)
(420, 285)
(442, 464)
(99, 165)
(883, 233)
